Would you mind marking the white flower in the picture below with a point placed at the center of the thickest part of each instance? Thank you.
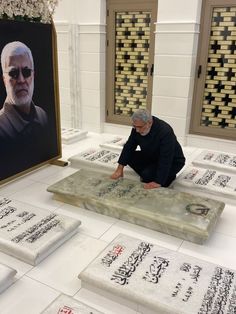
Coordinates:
(41, 9)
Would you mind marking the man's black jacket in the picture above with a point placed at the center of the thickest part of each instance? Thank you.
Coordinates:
(159, 146)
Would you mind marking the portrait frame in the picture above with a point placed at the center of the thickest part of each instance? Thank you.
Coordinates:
(42, 41)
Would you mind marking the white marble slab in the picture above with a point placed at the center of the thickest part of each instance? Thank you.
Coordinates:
(160, 280)
(216, 160)
(67, 305)
(207, 182)
(115, 144)
(101, 160)
(30, 233)
(71, 135)
(6, 277)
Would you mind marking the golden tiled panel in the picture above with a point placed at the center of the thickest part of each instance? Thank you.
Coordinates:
(132, 58)
(219, 103)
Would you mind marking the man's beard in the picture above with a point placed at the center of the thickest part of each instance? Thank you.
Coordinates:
(19, 101)
(146, 132)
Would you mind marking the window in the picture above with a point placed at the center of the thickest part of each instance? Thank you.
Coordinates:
(214, 101)
(130, 55)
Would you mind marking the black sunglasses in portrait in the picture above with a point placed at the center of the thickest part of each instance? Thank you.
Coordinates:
(14, 73)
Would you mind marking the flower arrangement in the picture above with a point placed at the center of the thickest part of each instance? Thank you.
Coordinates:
(28, 10)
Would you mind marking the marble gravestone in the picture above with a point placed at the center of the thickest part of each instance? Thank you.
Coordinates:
(160, 281)
(207, 182)
(69, 136)
(180, 214)
(31, 233)
(115, 144)
(216, 160)
(102, 160)
(6, 277)
(67, 305)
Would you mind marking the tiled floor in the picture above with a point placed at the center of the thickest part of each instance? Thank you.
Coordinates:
(36, 287)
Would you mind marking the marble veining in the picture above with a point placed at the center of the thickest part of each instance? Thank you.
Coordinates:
(180, 214)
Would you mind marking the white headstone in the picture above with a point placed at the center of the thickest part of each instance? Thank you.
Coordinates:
(115, 144)
(69, 136)
(161, 280)
(30, 233)
(67, 305)
(6, 277)
(207, 182)
(216, 160)
(101, 160)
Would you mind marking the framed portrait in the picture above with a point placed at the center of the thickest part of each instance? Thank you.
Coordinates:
(29, 97)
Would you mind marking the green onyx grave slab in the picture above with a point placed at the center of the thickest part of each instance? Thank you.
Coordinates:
(176, 213)
(153, 279)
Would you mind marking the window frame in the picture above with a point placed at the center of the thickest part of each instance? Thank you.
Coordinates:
(114, 6)
(201, 69)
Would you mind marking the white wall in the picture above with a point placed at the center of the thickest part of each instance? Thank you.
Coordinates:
(81, 37)
(81, 48)
(176, 36)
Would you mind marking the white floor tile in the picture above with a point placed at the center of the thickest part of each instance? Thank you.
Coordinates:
(189, 150)
(26, 296)
(226, 222)
(21, 267)
(15, 186)
(74, 149)
(61, 173)
(36, 194)
(60, 270)
(191, 153)
(219, 249)
(101, 303)
(152, 236)
(41, 173)
(93, 224)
